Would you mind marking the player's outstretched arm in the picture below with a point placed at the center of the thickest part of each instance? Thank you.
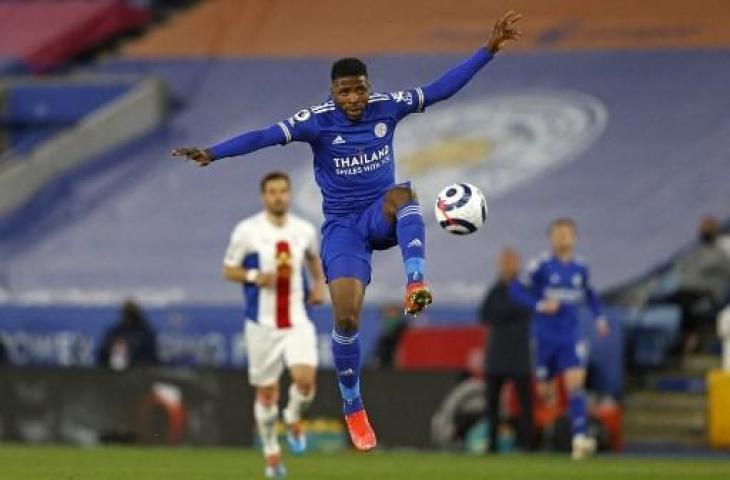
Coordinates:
(525, 291)
(240, 145)
(503, 32)
(523, 294)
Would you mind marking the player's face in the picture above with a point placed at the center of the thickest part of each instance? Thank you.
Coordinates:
(351, 95)
(562, 239)
(276, 196)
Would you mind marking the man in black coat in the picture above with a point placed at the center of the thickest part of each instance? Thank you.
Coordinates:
(508, 351)
(129, 342)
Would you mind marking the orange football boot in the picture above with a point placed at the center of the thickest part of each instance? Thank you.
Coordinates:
(361, 433)
(418, 297)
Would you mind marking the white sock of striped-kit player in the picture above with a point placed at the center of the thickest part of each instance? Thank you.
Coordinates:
(266, 416)
(297, 404)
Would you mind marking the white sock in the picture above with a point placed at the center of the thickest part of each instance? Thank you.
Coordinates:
(266, 417)
(298, 404)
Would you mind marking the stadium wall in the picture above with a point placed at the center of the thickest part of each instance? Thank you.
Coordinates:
(130, 116)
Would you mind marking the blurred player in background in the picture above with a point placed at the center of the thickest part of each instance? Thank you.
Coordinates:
(554, 287)
(268, 254)
(351, 135)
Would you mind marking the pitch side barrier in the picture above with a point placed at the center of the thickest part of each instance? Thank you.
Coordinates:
(199, 407)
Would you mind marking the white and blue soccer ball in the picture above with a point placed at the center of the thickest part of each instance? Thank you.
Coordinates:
(461, 209)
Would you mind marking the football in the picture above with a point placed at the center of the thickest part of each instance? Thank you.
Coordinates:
(460, 209)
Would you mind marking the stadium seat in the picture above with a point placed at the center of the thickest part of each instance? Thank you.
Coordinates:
(655, 331)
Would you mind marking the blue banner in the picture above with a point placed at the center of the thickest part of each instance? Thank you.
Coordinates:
(212, 336)
(205, 336)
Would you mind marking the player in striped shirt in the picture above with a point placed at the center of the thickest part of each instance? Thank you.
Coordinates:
(268, 254)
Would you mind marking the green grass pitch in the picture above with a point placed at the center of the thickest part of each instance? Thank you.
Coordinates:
(122, 463)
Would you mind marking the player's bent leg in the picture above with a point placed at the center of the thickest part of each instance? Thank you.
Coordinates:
(301, 396)
(347, 295)
(266, 413)
(583, 445)
(401, 206)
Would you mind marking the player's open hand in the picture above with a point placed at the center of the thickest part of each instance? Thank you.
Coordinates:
(504, 31)
(198, 155)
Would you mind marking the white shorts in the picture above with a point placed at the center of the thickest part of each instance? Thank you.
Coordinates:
(270, 349)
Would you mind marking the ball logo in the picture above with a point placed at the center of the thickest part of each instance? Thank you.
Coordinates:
(460, 209)
(380, 129)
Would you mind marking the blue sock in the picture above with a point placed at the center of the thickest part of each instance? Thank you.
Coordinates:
(346, 353)
(578, 412)
(411, 233)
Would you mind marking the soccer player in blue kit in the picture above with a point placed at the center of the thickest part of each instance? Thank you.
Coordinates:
(554, 287)
(351, 136)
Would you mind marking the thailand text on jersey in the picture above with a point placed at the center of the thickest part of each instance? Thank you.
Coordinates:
(258, 244)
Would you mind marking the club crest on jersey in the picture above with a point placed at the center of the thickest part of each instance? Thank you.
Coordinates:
(577, 280)
(283, 259)
(380, 129)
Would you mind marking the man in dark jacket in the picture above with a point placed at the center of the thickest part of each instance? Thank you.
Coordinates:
(508, 350)
(703, 282)
(129, 342)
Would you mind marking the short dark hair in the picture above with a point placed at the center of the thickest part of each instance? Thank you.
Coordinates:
(562, 222)
(271, 176)
(348, 67)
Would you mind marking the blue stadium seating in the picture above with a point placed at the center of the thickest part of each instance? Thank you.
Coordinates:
(654, 333)
(57, 102)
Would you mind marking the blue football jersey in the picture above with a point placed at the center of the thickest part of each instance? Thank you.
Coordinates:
(568, 282)
(353, 161)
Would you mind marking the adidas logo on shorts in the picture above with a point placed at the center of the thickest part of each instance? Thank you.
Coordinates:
(415, 243)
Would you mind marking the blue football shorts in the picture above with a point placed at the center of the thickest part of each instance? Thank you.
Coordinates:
(555, 356)
(348, 242)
